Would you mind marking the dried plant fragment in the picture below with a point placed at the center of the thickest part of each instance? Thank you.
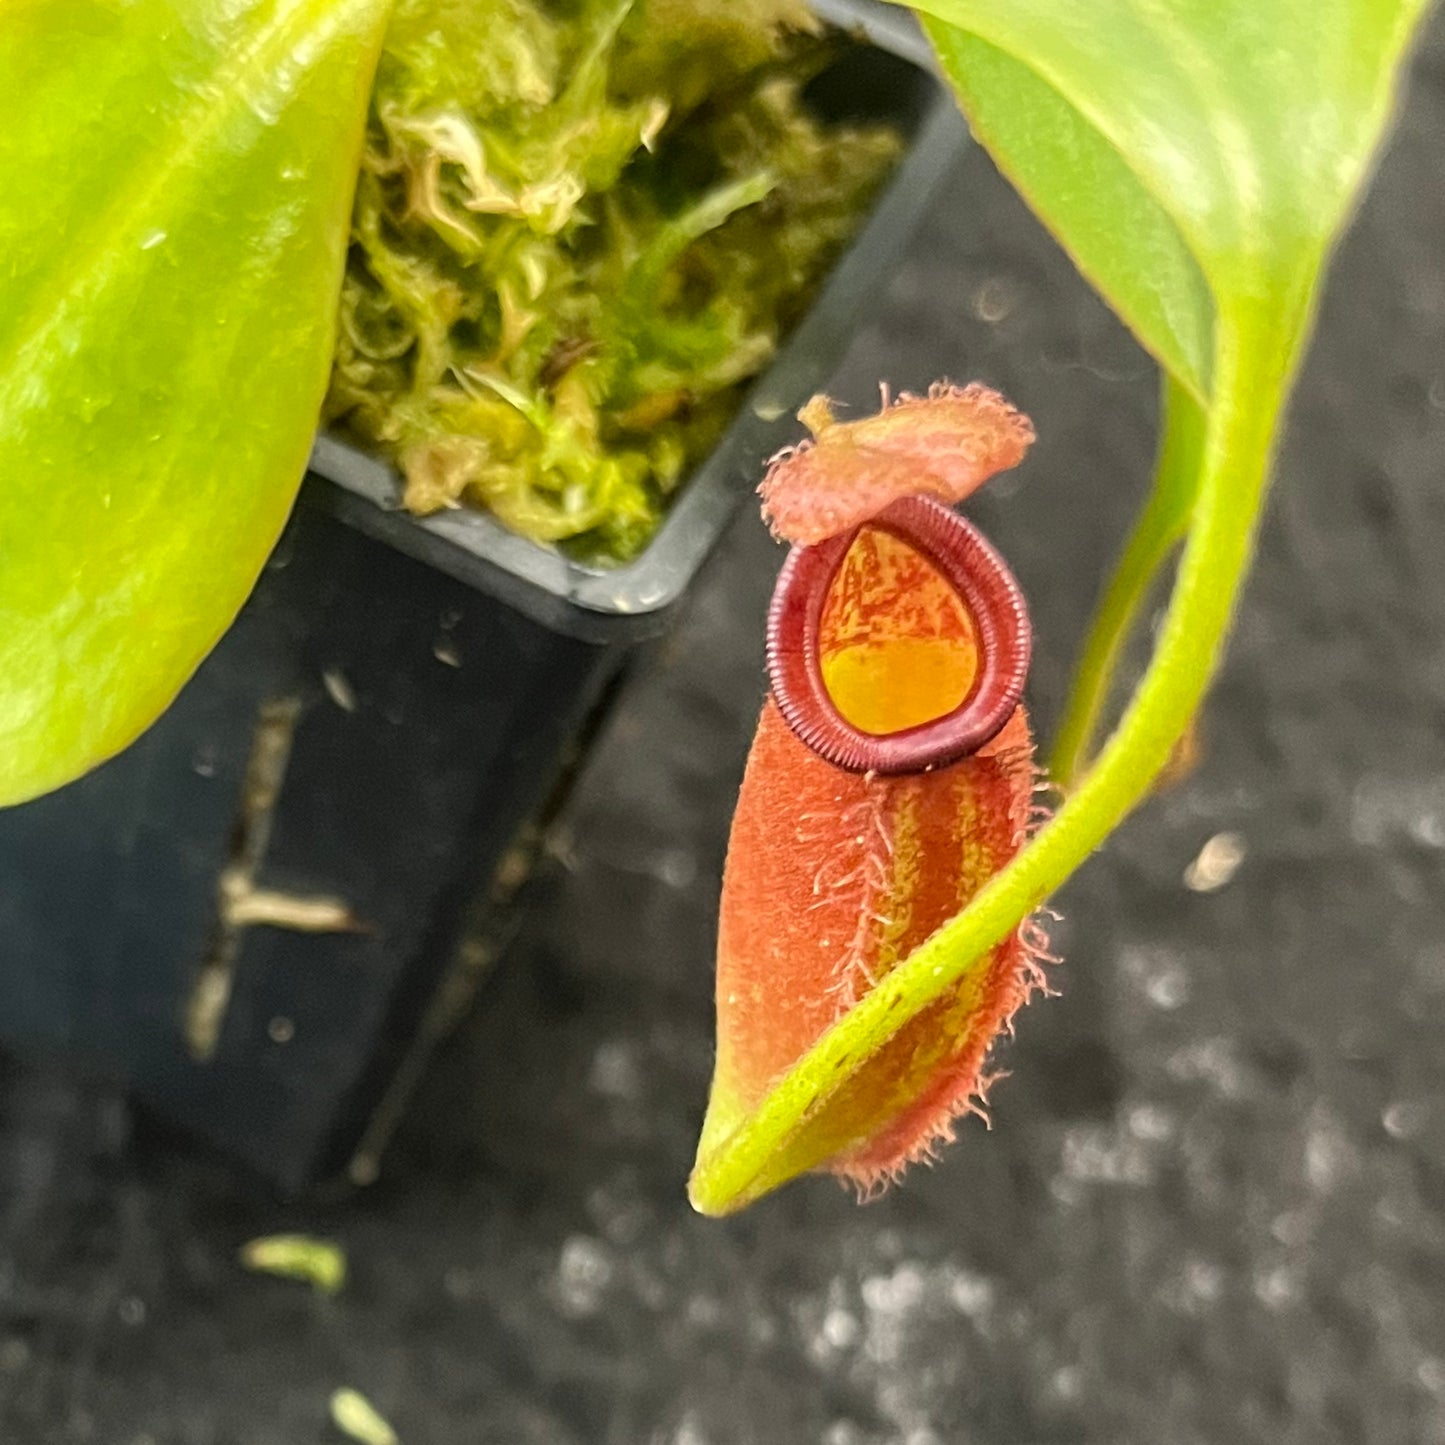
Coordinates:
(317, 1262)
(358, 1419)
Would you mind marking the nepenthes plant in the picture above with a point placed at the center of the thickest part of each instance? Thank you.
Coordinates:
(1197, 158)
(1198, 161)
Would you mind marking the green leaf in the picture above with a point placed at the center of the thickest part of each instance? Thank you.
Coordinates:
(1249, 122)
(177, 186)
(1119, 236)
(1249, 125)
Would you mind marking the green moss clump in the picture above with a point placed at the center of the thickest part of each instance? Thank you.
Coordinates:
(580, 227)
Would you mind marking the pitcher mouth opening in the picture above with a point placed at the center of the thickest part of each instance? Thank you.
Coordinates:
(990, 665)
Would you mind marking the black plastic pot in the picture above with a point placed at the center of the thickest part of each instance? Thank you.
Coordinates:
(262, 915)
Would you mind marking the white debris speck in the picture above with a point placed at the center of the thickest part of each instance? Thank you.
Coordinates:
(1327, 1153)
(583, 1274)
(676, 867)
(993, 300)
(971, 1294)
(1211, 1061)
(703, 1311)
(895, 1293)
(1195, 1289)
(689, 1432)
(890, 1300)
(1067, 1382)
(1205, 1281)
(1404, 1119)
(338, 689)
(1151, 1123)
(1095, 1154)
(614, 1072)
(1382, 808)
(1218, 861)
(1169, 988)
(840, 1329)
(1158, 974)
(1276, 1288)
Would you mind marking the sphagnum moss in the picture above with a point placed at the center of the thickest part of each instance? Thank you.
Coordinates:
(579, 229)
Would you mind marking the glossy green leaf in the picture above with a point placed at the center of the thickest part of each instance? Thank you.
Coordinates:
(1119, 236)
(1249, 122)
(175, 186)
(1249, 126)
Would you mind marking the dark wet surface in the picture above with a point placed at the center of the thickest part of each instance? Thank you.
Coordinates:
(1212, 1207)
